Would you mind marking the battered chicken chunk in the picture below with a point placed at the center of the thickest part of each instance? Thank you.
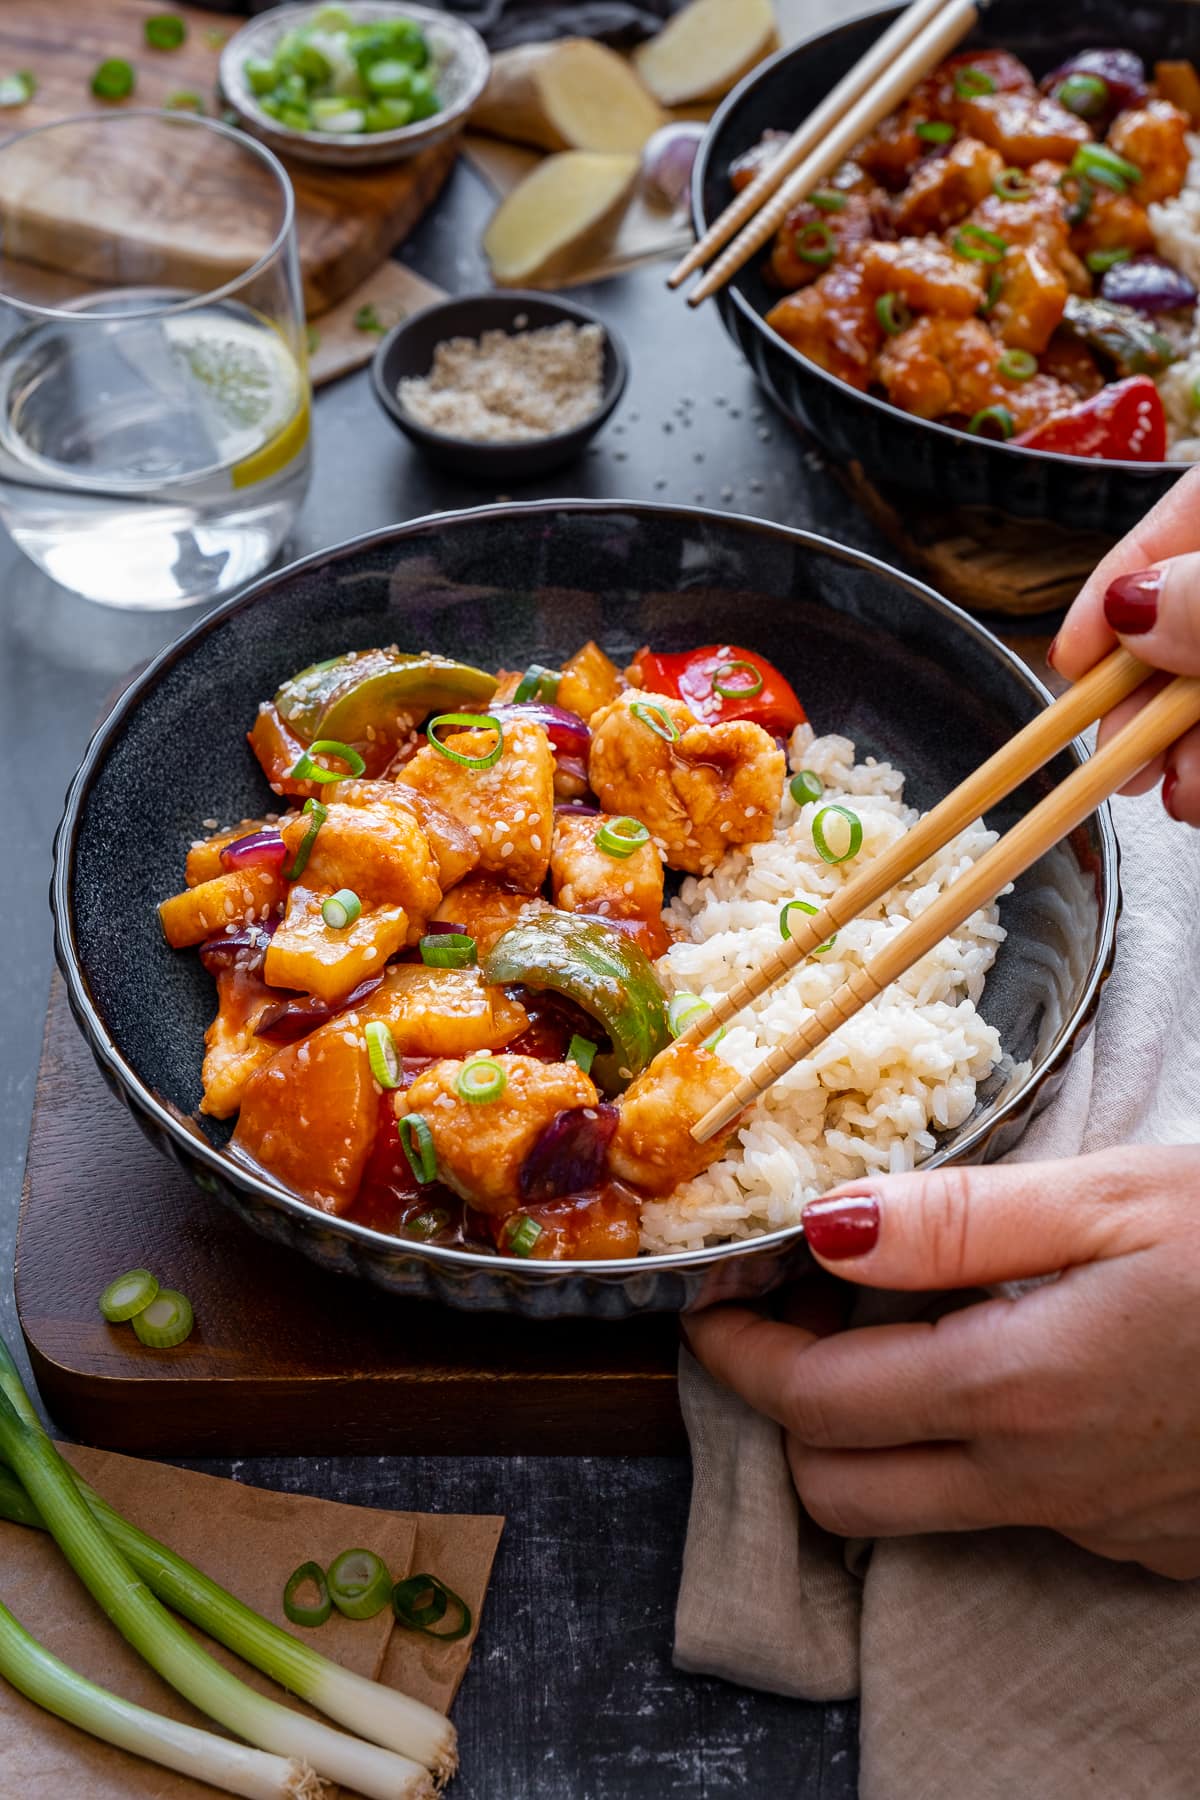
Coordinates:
(1154, 137)
(654, 1148)
(377, 848)
(485, 909)
(942, 366)
(1024, 127)
(704, 791)
(508, 809)
(1032, 298)
(455, 852)
(945, 188)
(926, 275)
(808, 229)
(587, 879)
(833, 323)
(232, 1053)
(481, 1144)
(1111, 221)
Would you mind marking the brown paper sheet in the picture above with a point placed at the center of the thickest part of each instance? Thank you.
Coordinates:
(249, 1540)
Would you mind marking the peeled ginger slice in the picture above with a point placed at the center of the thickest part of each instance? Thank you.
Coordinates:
(706, 49)
(569, 95)
(564, 212)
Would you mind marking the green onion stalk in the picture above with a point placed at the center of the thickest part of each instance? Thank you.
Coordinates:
(407, 1740)
(235, 1768)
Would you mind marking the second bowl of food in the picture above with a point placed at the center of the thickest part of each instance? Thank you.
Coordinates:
(455, 827)
(994, 301)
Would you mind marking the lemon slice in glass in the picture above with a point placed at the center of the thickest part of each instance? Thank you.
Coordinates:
(247, 389)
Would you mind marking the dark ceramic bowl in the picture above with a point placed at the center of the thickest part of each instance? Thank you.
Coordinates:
(891, 446)
(875, 654)
(408, 350)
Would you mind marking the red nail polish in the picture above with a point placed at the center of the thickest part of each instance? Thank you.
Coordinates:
(1170, 783)
(1051, 650)
(841, 1229)
(1131, 603)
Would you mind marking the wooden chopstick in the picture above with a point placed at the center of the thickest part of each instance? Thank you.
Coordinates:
(850, 88)
(1172, 712)
(914, 62)
(1102, 688)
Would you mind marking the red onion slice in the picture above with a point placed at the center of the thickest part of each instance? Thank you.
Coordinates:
(1122, 71)
(245, 947)
(261, 849)
(286, 1020)
(578, 809)
(570, 1155)
(566, 730)
(1148, 285)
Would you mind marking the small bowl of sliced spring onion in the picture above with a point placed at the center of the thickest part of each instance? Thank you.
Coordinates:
(368, 81)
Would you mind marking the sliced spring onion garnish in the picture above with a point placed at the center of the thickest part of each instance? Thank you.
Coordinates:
(1017, 365)
(657, 718)
(1098, 163)
(165, 31)
(341, 909)
(581, 1050)
(980, 245)
(367, 319)
(805, 786)
(994, 290)
(893, 314)
(686, 1007)
(971, 83)
(1014, 184)
(448, 950)
(1196, 394)
(1077, 210)
(821, 841)
(993, 422)
(421, 1603)
(827, 200)
(521, 1233)
(467, 722)
(481, 1079)
(128, 1295)
(360, 1585)
(16, 89)
(815, 243)
(1101, 261)
(621, 837)
(301, 1612)
(726, 682)
(538, 683)
(804, 907)
(114, 79)
(1084, 95)
(318, 813)
(167, 1321)
(416, 1141)
(934, 131)
(184, 100)
(382, 1053)
(426, 1225)
(307, 769)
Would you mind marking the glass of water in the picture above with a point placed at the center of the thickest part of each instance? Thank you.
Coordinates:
(154, 393)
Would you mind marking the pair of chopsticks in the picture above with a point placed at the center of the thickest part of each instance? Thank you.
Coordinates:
(924, 34)
(1163, 719)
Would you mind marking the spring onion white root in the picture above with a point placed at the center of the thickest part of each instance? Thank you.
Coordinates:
(367, 1708)
(234, 1768)
(163, 1643)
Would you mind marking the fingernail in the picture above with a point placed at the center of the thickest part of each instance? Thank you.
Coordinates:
(1131, 603)
(1170, 783)
(1051, 650)
(841, 1229)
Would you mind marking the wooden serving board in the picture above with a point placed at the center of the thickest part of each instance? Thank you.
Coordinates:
(347, 221)
(285, 1358)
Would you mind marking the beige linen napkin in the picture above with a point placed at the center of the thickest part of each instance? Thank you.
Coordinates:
(996, 1664)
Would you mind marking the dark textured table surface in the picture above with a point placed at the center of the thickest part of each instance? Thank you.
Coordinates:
(571, 1695)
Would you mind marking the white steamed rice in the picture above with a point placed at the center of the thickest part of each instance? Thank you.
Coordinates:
(1176, 227)
(906, 1066)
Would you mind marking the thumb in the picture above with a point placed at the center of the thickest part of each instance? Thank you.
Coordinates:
(1156, 614)
(966, 1227)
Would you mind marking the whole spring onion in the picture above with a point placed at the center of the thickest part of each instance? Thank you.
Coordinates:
(934, 131)
(416, 1141)
(382, 1054)
(621, 837)
(359, 1584)
(49, 1683)
(971, 83)
(520, 1235)
(656, 718)
(822, 842)
(114, 79)
(992, 421)
(341, 909)
(1017, 365)
(805, 785)
(307, 769)
(166, 1322)
(893, 315)
(422, 1601)
(318, 814)
(301, 1612)
(726, 682)
(368, 1708)
(979, 244)
(1097, 162)
(804, 907)
(480, 1080)
(581, 1051)
(448, 950)
(128, 1294)
(815, 243)
(163, 1643)
(1014, 184)
(467, 722)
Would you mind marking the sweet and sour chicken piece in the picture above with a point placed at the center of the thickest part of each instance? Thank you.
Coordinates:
(700, 793)
(443, 1012)
(481, 1144)
(1154, 137)
(799, 254)
(455, 852)
(941, 366)
(833, 323)
(926, 275)
(485, 909)
(508, 809)
(945, 188)
(232, 1052)
(1024, 126)
(376, 847)
(1032, 298)
(585, 878)
(654, 1148)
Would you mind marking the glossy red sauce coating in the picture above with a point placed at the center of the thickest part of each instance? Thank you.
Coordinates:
(689, 674)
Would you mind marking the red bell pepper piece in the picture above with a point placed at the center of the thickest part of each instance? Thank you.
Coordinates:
(765, 697)
(1124, 422)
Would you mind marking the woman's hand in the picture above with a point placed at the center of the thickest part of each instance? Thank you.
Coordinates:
(1075, 1406)
(1146, 593)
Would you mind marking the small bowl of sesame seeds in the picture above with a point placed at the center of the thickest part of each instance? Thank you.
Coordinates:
(500, 386)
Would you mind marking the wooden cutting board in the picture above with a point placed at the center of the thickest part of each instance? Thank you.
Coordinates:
(347, 221)
(285, 1358)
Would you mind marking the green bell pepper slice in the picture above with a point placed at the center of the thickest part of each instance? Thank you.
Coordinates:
(602, 971)
(350, 696)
